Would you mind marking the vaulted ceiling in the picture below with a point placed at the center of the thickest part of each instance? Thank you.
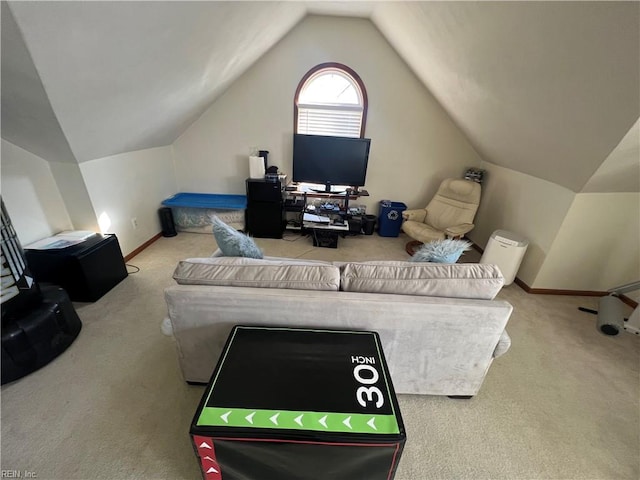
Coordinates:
(550, 89)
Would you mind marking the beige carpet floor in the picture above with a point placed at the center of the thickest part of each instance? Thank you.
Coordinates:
(563, 403)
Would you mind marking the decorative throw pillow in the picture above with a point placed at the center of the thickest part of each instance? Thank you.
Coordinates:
(233, 243)
(441, 251)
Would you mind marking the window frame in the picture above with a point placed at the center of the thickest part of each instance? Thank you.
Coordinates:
(347, 71)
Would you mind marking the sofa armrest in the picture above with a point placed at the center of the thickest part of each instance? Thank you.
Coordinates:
(416, 215)
(503, 344)
(459, 230)
(166, 328)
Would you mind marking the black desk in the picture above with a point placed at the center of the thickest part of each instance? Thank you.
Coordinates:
(86, 271)
(299, 404)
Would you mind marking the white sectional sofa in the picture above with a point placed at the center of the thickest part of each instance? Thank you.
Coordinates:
(439, 324)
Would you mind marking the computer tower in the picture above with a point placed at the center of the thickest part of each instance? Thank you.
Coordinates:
(264, 208)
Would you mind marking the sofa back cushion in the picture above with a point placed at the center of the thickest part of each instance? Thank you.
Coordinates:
(460, 280)
(261, 273)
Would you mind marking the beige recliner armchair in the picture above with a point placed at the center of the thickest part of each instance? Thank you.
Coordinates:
(449, 214)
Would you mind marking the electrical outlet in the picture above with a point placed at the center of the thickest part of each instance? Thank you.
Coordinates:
(134, 222)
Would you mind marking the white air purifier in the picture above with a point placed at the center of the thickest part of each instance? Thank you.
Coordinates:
(505, 249)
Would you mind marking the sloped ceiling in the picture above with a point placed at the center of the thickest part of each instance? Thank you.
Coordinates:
(27, 117)
(546, 88)
(620, 172)
(124, 76)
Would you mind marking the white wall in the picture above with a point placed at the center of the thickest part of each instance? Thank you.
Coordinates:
(122, 187)
(74, 193)
(414, 144)
(131, 185)
(525, 205)
(581, 241)
(31, 195)
(598, 246)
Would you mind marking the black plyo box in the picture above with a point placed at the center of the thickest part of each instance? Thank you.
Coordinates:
(299, 404)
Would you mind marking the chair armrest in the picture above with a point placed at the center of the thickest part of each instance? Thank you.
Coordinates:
(417, 215)
(459, 230)
(503, 345)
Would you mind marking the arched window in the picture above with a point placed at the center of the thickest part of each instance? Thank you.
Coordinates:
(330, 100)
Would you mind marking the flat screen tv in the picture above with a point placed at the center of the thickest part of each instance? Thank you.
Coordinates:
(330, 160)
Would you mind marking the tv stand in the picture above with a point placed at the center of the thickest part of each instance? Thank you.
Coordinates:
(298, 199)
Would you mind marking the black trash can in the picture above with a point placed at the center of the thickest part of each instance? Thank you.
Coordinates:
(368, 224)
(355, 225)
(166, 221)
(390, 219)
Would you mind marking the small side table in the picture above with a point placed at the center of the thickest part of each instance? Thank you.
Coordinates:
(299, 404)
(86, 271)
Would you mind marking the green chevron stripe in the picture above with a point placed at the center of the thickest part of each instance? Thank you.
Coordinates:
(297, 420)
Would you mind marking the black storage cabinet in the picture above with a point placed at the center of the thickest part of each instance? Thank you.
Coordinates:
(265, 208)
(299, 404)
(86, 271)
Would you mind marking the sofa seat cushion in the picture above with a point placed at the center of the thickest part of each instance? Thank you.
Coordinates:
(261, 273)
(461, 280)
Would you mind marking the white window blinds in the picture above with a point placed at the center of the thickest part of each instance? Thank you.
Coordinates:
(339, 120)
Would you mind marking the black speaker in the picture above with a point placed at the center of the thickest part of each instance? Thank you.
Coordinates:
(166, 221)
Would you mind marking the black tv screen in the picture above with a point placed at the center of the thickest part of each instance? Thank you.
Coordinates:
(330, 160)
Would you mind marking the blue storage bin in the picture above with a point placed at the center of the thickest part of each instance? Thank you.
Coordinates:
(192, 212)
(390, 218)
